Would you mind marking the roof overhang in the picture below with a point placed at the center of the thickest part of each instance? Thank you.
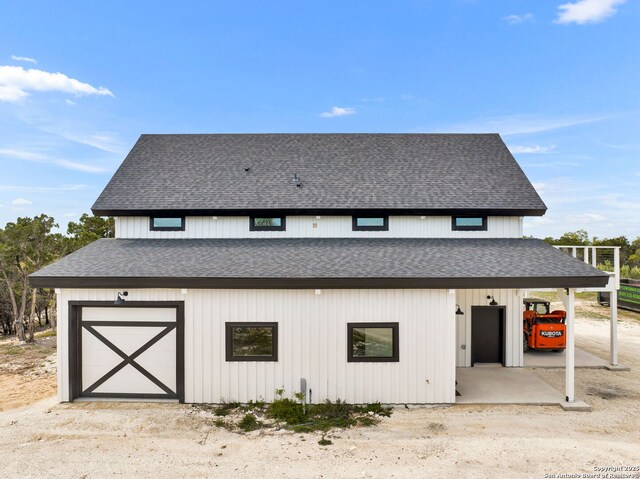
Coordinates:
(315, 283)
(320, 212)
(314, 263)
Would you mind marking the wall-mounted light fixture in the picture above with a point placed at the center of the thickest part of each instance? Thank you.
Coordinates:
(120, 299)
(458, 310)
(493, 301)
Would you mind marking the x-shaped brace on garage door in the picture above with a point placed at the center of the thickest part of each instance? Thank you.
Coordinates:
(129, 358)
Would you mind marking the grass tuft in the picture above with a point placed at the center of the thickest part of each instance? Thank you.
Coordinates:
(325, 442)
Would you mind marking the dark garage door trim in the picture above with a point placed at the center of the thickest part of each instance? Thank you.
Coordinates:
(75, 348)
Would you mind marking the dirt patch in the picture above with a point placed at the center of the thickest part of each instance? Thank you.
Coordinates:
(610, 392)
(18, 390)
(27, 371)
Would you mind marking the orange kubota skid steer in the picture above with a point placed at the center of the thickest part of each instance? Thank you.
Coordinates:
(543, 329)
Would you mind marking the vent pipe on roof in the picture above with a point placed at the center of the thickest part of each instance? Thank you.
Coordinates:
(297, 181)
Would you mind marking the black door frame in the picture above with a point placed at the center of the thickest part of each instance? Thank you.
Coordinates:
(75, 346)
(503, 331)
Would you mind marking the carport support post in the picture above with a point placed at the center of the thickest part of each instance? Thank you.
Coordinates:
(571, 346)
(613, 304)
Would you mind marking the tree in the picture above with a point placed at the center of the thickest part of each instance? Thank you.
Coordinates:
(25, 246)
(634, 252)
(576, 238)
(88, 230)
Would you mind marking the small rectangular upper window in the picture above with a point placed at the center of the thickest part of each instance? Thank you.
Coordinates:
(469, 223)
(370, 223)
(251, 341)
(373, 342)
(159, 223)
(267, 223)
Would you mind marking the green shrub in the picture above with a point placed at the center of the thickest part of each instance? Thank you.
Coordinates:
(289, 413)
(225, 408)
(625, 271)
(286, 410)
(249, 423)
(376, 408)
(606, 266)
(254, 405)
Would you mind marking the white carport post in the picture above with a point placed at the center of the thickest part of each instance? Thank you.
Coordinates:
(613, 304)
(569, 303)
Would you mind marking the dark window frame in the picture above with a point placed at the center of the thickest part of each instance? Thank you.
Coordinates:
(355, 227)
(395, 327)
(182, 226)
(455, 227)
(253, 227)
(228, 340)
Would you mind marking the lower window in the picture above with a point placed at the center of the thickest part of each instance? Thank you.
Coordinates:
(373, 342)
(251, 341)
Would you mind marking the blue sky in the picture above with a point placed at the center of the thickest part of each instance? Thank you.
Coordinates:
(560, 80)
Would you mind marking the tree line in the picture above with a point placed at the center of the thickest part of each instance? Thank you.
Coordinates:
(27, 245)
(629, 250)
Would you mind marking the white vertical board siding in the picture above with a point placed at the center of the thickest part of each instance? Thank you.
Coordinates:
(512, 300)
(312, 343)
(326, 227)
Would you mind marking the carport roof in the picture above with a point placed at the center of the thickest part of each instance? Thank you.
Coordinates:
(307, 263)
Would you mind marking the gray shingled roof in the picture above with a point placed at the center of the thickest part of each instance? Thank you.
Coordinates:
(450, 172)
(319, 262)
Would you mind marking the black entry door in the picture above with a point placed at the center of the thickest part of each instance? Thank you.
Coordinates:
(487, 334)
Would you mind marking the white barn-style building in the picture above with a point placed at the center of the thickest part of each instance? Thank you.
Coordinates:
(371, 265)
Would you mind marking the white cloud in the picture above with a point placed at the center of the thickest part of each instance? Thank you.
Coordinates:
(526, 149)
(518, 19)
(552, 164)
(520, 124)
(337, 111)
(23, 59)
(25, 155)
(21, 202)
(588, 217)
(42, 189)
(70, 215)
(587, 11)
(16, 83)
(594, 204)
(101, 141)
(75, 132)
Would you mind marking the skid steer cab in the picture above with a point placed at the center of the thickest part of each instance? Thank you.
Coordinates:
(543, 329)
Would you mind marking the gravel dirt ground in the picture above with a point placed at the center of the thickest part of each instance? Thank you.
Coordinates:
(101, 440)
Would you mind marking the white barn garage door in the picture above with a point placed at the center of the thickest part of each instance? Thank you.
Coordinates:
(128, 352)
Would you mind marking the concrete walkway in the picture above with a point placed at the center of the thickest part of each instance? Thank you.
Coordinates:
(549, 359)
(498, 385)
